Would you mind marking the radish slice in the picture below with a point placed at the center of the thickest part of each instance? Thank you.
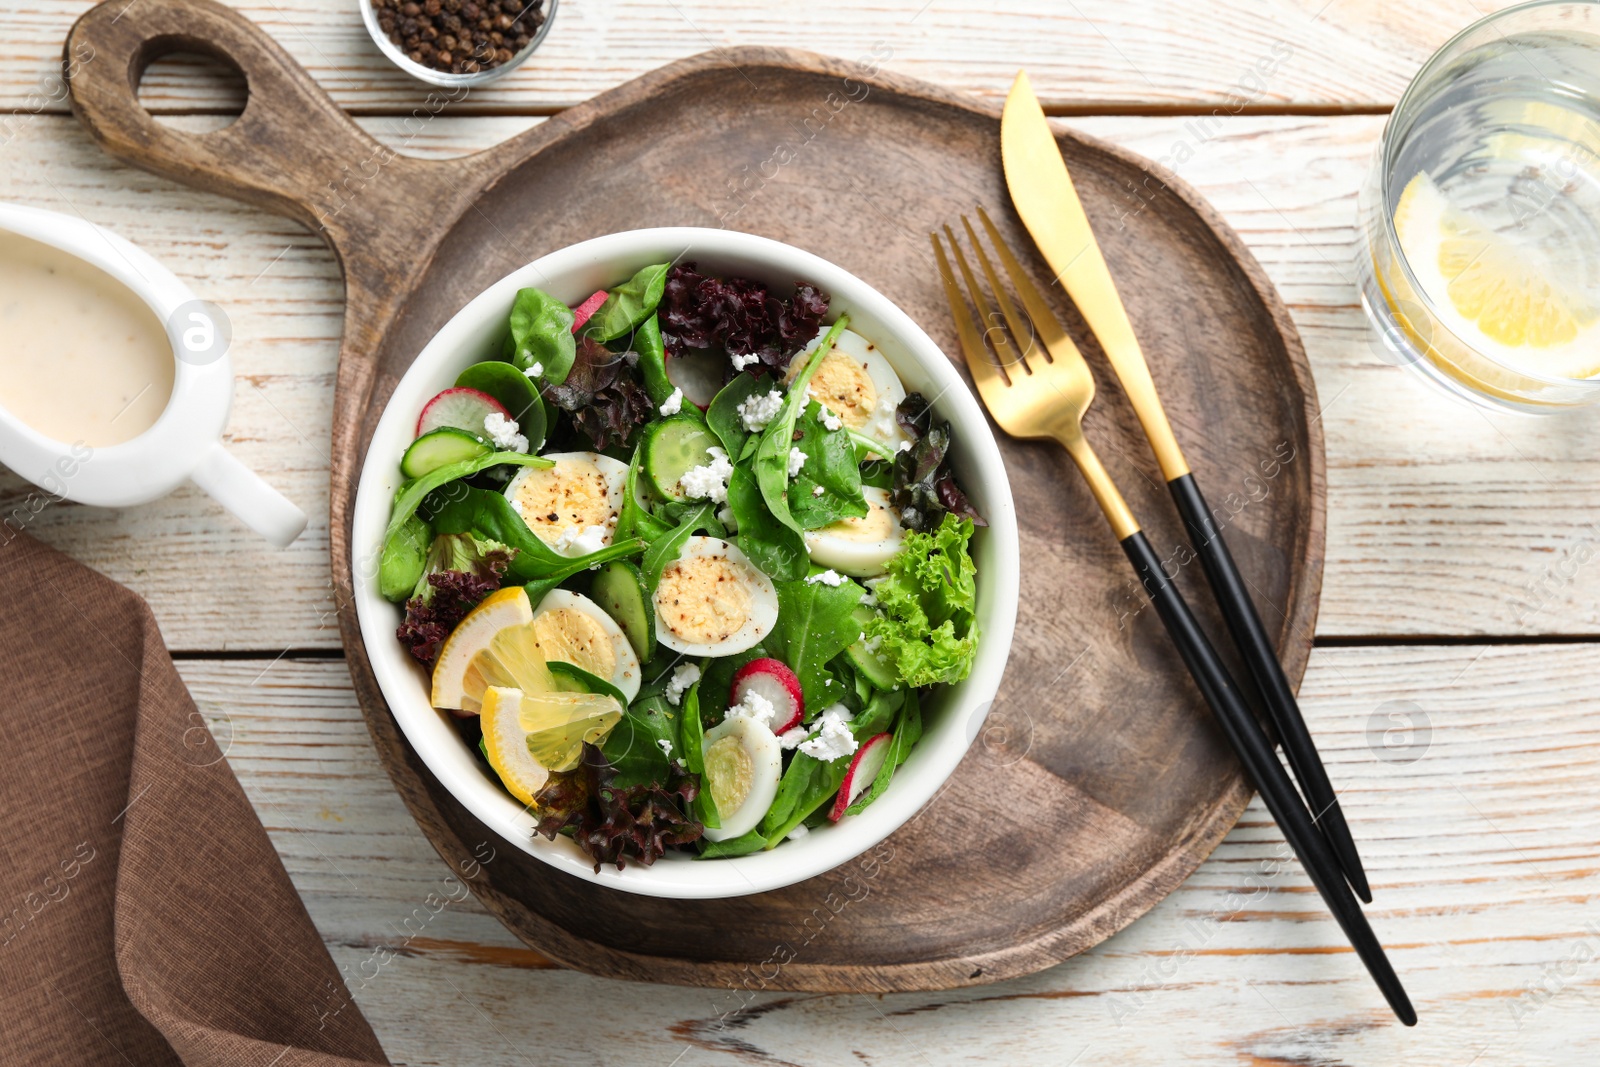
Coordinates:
(863, 770)
(585, 311)
(743, 764)
(462, 408)
(698, 374)
(775, 682)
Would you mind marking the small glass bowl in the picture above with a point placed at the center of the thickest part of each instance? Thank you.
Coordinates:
(425, 73)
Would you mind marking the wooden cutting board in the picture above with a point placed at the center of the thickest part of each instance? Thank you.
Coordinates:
(1100, 781)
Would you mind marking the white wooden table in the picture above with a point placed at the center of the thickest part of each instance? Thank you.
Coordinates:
(1459, 591)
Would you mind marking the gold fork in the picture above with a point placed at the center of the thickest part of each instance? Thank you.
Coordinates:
(1044, 394)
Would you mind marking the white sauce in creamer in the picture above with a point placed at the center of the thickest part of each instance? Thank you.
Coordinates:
(82, 357)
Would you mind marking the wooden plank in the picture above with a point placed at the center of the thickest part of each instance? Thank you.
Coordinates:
(1484, 522)
(1330, 54)
(1479, 843)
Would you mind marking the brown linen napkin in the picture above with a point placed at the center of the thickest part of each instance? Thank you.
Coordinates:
(144, 916)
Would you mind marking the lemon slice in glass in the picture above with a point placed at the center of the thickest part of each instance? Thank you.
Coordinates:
(1495, 293)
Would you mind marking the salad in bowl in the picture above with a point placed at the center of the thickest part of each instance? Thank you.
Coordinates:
(683, 567)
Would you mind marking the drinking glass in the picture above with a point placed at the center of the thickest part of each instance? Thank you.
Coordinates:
(1480, 266)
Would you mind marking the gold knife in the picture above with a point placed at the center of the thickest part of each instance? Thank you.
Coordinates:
(1044, 196)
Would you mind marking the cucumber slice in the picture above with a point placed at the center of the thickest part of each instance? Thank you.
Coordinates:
(586, 682)
(674, 447)
(873, 669)
(436, 448)
(618, 587)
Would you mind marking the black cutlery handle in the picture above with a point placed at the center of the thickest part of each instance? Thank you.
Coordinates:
(1250, 637)
(1261, 763)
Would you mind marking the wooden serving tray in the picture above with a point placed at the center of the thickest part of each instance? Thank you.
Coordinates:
(1100, 781)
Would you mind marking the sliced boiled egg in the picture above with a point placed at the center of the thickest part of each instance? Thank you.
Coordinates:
(712, 601)
(743, 762)
(859, 546)
(573, 505)
(574, 629)
(856, 383)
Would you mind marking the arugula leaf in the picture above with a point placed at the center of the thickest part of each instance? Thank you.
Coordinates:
(628, 304)
(634, 745)
(488, 514)
(777, 550)
(664, 549)
(772, 453)
(723, 417)
(815, 623)
(541, 332)
(410, 497)
(830, 467)
(907, 732)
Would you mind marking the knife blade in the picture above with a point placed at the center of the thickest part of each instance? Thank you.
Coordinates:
(1045, 198)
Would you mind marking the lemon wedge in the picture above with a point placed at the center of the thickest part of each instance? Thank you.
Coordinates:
(515, 656)
(1492, 292)
(528, 735)
(500, 609)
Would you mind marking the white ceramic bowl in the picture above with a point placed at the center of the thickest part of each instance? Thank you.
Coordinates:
(952, 719)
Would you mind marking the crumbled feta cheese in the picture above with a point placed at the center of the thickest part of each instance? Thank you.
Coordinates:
(799, 831)
(833, 738)
(709, 481)
(740, 362)
(535, 371)
(759, 409)
(516, 505)
(830, 420)
(503, 432)
(756, 707)
(869, 599)
(873, 644)
(791, 739)
(672, 404)
(828, 577)
(682, 678)
(817, 490)
(797, 459)
(905, 446)
(725, 516)
(666, 746)
(584, 540)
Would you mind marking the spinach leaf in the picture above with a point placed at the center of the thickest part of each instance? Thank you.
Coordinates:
(404, 557)
(541, 332)
(634, 745)
(907, 732)
(772, 453)
(878, 473)
(718, 681)
(742, 845)
(816, 622)
(805, 787)
(410, 497)
(828, 487)
(652, 364)
(692, 741)
(723, 416)
(634, 519)
(777, 550)
(488, 514)
(664, 549)
(878, 713)
(629, 303)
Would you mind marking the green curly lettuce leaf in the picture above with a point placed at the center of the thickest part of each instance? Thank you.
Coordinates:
(925, 627)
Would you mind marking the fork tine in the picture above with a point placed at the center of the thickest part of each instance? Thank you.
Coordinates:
(1051, 332)
(1021, 330)
(985, 374)
(1010, 359)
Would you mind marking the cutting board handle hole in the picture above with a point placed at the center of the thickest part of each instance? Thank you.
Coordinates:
(176, 74)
